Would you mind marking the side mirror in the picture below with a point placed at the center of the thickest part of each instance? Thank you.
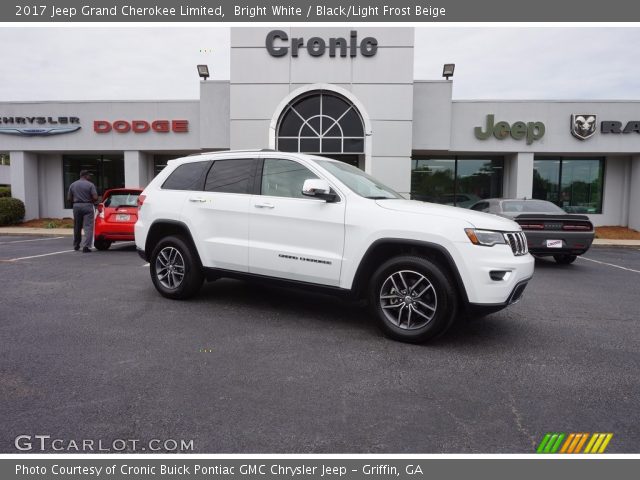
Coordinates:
(318, 188)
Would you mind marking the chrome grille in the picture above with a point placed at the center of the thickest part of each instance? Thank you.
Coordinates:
(518, 242)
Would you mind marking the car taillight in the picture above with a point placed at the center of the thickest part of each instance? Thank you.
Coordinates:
(580, 227)
(532, 226)
(141, 200)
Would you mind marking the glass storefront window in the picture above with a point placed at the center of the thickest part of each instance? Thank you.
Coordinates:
(477, 179)
(432, 179)
(459, 181)
(545, 180)
(573, 184)
(107, 170)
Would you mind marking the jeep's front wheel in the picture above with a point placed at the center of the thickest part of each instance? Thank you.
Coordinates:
(175, 270)
(412, 298)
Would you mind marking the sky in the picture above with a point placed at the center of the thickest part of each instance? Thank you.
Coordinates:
(107, 63)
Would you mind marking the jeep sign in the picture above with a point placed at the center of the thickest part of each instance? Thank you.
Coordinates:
(532, 131)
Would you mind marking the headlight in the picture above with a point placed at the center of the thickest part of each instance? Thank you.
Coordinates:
(487, 238)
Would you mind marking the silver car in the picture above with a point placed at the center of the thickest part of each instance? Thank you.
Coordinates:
(550, 231)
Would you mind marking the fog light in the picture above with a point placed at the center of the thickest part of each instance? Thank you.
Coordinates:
(498, 275)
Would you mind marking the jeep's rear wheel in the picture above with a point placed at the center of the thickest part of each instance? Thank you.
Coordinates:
(412, 298)
(174, 269)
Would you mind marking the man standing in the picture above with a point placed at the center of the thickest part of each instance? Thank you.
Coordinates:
(83, 194)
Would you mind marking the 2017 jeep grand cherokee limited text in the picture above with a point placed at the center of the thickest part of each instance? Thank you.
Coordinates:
(314, 222)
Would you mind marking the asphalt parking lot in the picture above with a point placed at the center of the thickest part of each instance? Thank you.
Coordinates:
(89, 350)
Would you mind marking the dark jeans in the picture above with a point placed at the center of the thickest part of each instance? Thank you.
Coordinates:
(83, 217)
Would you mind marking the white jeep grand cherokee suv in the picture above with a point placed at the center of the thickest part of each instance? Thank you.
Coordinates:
(309, 221)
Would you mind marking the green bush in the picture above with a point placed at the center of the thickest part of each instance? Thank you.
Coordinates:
(11, 211)
(5, 192)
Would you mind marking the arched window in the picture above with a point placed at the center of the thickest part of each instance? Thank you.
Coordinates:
(320, 122)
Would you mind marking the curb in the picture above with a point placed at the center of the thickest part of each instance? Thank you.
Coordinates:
(616, 243)
(41, 232)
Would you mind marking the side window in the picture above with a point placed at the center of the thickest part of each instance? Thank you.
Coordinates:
(284, 178)
(481, 207)
(188, 176)
(231, 176)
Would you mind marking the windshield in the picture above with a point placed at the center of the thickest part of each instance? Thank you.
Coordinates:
(530, 206)
(358, 181)
(122, 200)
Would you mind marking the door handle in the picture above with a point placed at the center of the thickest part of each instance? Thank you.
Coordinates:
(264, 205)
(197, 200)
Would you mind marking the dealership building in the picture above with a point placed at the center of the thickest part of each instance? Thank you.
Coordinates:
(348, 94)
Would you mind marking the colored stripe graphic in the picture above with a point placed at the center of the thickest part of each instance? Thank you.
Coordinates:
(555, 442)
(543, 443)
(550, 443)
(556, 445)
(577, 443)
(598, 442)
(594, 437)
(604, 445)
(583, 439)
(568, 442)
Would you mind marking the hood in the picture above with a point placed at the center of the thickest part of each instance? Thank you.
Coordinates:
(475, 219)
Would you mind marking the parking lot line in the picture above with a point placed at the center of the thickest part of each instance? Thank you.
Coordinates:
(32, 240)
(36, 256)
(610, 264)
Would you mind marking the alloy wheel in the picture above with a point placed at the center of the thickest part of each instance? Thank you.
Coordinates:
(408, 299)
(170, 267)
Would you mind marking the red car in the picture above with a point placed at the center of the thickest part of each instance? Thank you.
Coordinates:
(117, 214)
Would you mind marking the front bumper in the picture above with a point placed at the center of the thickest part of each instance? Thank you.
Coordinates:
(493, 276)
(481, 309)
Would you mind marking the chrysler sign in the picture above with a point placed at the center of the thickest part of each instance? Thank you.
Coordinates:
(38, 126)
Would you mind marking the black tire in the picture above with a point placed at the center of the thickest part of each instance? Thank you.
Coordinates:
(185, 262)
(102, 244)
(441, 297)
(565, 259)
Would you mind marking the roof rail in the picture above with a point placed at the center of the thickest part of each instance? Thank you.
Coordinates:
(220, 152)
